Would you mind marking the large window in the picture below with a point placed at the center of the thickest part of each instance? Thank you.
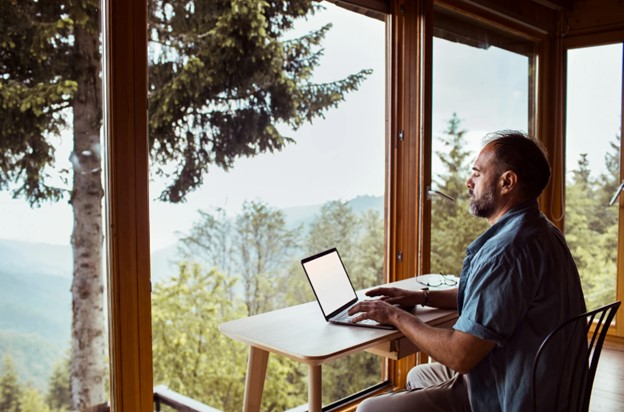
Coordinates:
(259, 196)
(53, 335)
(593, 153)
(482, 82)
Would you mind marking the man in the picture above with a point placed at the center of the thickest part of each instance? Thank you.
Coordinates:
(518, 282)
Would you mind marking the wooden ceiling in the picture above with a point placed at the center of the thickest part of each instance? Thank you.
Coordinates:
(579, 17)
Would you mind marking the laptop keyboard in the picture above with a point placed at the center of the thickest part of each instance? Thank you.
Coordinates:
(345, 317)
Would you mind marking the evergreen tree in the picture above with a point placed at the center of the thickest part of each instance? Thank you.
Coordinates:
(59, 389)
(453, 228)
(202, 114)
(31, 400)
(368, 261)
(454, 158)
(589, 238)
(10, 389)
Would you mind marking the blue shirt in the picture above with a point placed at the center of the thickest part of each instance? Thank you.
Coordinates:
(518, 282)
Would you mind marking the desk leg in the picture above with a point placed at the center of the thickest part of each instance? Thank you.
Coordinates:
(254, 383)
(315, 386)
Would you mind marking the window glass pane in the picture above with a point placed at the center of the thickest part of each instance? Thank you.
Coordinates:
(481, 82)
(593, 144)
(52, 315)
(278, 156)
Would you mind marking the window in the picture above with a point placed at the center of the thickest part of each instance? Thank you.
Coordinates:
(232, 249)
(53, 317)
(482, 82)
(593, 153)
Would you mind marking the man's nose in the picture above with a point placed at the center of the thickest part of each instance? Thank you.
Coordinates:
(469, 183)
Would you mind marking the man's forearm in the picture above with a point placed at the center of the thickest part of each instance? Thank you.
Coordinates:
(443, 299)
(457, 350)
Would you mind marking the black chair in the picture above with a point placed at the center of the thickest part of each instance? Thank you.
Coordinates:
(567, 380)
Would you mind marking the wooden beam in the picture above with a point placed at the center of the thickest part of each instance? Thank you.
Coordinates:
(127, 204)
(603, 19)
(377, 9)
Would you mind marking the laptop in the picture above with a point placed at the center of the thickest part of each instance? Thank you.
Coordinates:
(333, 289)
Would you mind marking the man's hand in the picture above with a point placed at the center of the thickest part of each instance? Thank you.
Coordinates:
(396, 296)
(375, 309)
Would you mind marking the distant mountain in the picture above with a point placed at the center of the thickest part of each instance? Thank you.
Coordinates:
(163, 261)
(35, 296)
(305, 214)
(35, 322)
(18, 256)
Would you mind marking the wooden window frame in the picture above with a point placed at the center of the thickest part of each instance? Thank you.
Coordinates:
(124, 26)
(408, 157)
(615, 334)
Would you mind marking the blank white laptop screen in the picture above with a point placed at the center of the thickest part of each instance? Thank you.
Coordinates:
(329, 281)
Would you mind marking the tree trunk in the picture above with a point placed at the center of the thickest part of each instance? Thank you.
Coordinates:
(88, 369)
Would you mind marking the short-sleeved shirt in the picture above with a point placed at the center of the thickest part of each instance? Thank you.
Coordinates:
(518, 282)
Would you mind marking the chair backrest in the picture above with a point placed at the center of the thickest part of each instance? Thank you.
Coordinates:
(567, 380)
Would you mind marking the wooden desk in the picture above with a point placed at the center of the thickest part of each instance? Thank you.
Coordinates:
(301, 333)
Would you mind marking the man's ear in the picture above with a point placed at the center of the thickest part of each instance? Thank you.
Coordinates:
(508, 181)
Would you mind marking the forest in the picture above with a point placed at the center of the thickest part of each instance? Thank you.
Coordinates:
(229, 268)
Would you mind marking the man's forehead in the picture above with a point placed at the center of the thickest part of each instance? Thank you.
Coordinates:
(485, 158)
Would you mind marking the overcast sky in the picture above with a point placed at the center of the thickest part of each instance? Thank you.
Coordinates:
(342, 156)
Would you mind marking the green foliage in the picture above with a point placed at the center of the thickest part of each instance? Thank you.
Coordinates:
(453, 228)
(10, 389)
(59, 388)
(350, 375)
(591, 227)
(255, 247)
(38, 80)
(334, 226)
(223, 77)
(367, 265)
(192, 357)
(32, 401)
(256, 237)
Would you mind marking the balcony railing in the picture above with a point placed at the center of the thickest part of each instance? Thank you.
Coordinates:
(165, 396)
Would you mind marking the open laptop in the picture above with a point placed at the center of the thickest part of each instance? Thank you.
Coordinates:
(333, 289)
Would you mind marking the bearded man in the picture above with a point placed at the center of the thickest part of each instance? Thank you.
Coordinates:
(518, 282)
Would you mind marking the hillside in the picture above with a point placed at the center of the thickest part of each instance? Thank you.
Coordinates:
(35, 297)
(35, 318)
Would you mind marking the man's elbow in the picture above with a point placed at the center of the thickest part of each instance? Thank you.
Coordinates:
(469, 352)
(464, 365)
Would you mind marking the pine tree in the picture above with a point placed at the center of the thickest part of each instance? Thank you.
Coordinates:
(453, 228)
(589, 238)
(222, 78)
(10, 388)
(59, 389)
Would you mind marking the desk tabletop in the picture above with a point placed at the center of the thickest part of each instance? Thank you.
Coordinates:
(300, 332)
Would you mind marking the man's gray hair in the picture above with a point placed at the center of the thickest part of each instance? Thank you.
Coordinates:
(524, 155)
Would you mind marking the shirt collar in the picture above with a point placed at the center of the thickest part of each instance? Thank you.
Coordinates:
(526, 207)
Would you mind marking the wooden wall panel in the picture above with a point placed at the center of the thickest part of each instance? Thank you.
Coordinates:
(410, 156)
(594, 17)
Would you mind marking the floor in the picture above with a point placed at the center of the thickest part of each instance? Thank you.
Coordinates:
(608, 392)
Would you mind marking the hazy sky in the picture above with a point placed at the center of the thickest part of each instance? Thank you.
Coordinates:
(342, 156)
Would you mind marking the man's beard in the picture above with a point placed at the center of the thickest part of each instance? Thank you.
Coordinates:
(485, 205)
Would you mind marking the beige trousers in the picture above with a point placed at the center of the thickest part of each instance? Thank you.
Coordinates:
(430, 387)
